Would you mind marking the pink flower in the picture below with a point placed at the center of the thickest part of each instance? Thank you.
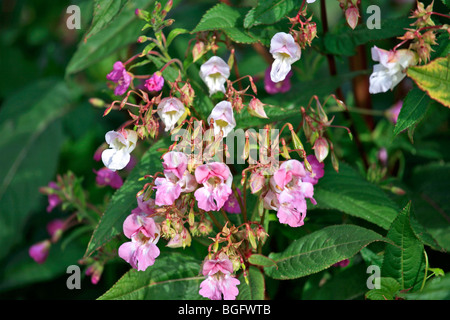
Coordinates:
(277, 87)
(95, 271)
(53, 199)
(39, 251)
(155, 82)
(55, 228)
(342, 263)
(144, 233)
(120, 76)
(317, 170)
(107, 177)
(216, 179)
(177, 179)
(219, 282)
(393, 112)
(287, 193)
(146, 207)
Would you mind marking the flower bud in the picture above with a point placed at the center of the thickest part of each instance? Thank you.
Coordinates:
(257, 181)
(39, 251)
(352, 16)
(256, 108)
(321, 148)
(198, 50)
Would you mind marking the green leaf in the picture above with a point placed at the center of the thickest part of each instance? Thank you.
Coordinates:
(124, 199)
(319, 250)
(344, 42)
(413, 109)
(31, 130)
(174, 33)
(172, 277)
(261, 260)
(104, 12)
(349, 192)
(430, 185)
(434, 78)
(121, 31)
(389, 289)
(435, 289)
(255, 289)
(269, 12)
(404, 259)
(227, 19)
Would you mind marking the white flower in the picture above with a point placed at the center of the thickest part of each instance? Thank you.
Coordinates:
(121, 144)
(223, 117)
(285, 51)
(215, 73)
(391, 69)
(170, 111)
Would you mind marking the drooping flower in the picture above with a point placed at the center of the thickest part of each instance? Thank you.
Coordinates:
(53, 199)
(177, 179)
(55, 228)
(107, 177)
(144, 233)
(223, 118)
(215, 73)
(232, 204)
(120, 76)
(288, 193)
(393, 112)
(155, 82)
(285, 51)
(216, 179)
(391, 68)
(39, 251)
(121, 144)
(170, 110)
(277, 87)
(220, 283)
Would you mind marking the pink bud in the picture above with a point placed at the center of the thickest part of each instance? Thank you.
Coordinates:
(39, 251)
(256, 108)
(352, 16)
(257, 181)
(321, 149)
(55, 229)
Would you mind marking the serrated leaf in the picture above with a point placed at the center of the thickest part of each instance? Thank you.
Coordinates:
(269, 12)
(255, 289)
(431, 204)
(349, 192)
(227, 19)
(413, 109)
(104, 13)
(434, 78)
(345, 41)
(124, 199)
(319, 250)
(173, 277)
(389, 288)
(404, 259)
(435, 289)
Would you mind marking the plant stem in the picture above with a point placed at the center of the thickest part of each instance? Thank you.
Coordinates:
(339, 94)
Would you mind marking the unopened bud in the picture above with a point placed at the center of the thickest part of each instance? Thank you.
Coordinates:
(256, 108)
(321, 148)
(198, 50)
(352, 16)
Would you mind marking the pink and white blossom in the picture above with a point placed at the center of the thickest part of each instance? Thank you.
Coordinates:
(391, 68)
(285, 51)
(144, 233)
(170, 110)
(121, 144)
(215, 73)
(222, 117)
(216, 181)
